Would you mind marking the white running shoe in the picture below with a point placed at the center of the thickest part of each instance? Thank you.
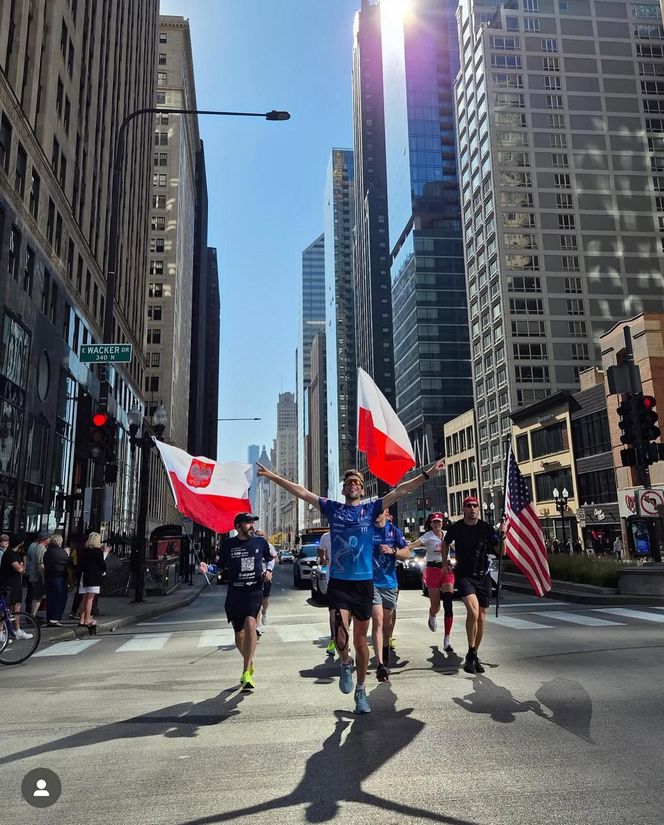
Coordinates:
(447, 647)
(265, 617)
(21, 634)
(433, 624)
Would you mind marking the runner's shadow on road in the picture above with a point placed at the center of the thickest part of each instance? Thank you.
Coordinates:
(182, 720)
(570, 705)
(448, 664)
(357, 748)
(496, 701)
(324, 673)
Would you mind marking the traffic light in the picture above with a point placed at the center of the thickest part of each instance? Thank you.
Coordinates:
(97, 440)
(646, 418)
(628, 412)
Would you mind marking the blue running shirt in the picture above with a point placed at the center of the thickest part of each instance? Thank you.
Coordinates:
(351, 531)
(385, 569)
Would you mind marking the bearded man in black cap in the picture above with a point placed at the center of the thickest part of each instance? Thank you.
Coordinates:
(243, 556)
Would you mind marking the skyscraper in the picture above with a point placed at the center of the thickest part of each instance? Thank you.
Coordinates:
(252, 458)
(371, 256)
(561, 146)
(317, 406)
(312, 321)
(65, 88)
(339, 210)
(286, 463)
(431, 349)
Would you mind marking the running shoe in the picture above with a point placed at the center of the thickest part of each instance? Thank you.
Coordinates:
(252, 669)
(346, 678)
(265, 617)
(433, 624)
(361, 703)
(392, 643)
(21, 634)
(479, 667)
(447, 647)
(382, 673)
(259, 631)
(247, 682)
(470, 664)
(331, 648)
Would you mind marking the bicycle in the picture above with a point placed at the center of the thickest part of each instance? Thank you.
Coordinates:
(14, 650)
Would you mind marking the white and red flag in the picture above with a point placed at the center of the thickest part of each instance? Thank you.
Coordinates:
(208, 492)
(524, 541)
(380, 433)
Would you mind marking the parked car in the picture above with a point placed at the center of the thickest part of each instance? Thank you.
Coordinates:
(409, 571)
(286, 557)
(318, 581)
(306, 559)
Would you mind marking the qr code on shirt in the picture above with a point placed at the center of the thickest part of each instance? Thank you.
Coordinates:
(247, 565)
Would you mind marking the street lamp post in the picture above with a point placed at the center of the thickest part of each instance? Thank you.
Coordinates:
(561, 500)
(113, 238)
(145, 442)
(488, 507)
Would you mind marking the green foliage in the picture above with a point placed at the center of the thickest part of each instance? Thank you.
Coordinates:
(580, 569)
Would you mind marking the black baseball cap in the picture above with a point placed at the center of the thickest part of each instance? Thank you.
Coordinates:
(243, 518)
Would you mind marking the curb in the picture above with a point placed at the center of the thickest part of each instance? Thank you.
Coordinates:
(581, 594)
(151, 609)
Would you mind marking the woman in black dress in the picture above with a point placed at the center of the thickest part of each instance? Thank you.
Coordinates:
(12, 567)
(92, 567)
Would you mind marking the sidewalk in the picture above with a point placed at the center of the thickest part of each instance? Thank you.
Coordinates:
(579, 593)
(118, 611)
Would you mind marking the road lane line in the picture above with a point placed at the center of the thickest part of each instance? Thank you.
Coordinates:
(517, 624)
(216, 638)
(632, 614)
(67, 648)
(144, 641)
(577, 618)
(302, 632)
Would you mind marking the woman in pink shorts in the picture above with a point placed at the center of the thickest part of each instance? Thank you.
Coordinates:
(438, 576)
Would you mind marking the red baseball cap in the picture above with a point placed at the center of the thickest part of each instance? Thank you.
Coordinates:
(470, 500)
(436, 517)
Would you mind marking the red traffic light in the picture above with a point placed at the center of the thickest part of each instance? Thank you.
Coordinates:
(99, 419)
(649, 402)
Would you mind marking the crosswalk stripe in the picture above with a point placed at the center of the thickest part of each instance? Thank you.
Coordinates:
(518, 624)
(303, 632)
(216, 638)
(632, 614)
(576, 618)
(67, 648)
(144, 641)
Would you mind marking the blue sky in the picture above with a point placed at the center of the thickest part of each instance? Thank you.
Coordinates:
(265, 180)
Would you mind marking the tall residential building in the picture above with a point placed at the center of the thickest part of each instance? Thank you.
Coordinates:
(312, 322)
(252, 457)
(317, 407)
(339, 212)
(371, 256)
(203, 374)
(173, 243)
(561, 147)
(69, 75)
(286, 462)
(431, 348)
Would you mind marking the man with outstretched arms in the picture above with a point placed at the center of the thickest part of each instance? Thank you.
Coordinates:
(350, 588)
(246, 557)
(474, 540)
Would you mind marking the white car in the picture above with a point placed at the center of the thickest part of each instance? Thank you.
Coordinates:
(319, 580)
(305, 559)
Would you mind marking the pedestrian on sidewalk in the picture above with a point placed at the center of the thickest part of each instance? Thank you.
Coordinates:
(36, 571)
(4, 543)
(350, 584)
(245, 556)
(56, 569)
(12, 568)
(473, 540)
(93, 568)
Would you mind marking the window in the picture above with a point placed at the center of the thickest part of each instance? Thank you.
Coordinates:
(163, 159)
(515, 179)
(574, 306)
(505, 61)
(510, 119)
(161, 138)
(152, 383)
(531, 375)
(154, 312)
(158, 223)
(154, 359)
(522, 450)
(162, 58)
(14, 253)
(556, 121)
(516, 199)
(652, 87)
(55, 155)
(159, 179)
(549, 44)
(566, 222)
(572, 285)
(50, 221)
(568, 242)
(521, 241)
(557, 141)
(564, 201)
(648, 32)
(29, 270)
(554, 101)
(559, 160)
(162, 78)
(598, 487)
(156, 267)
(528, 329)
(537, 352)
(155, 290)
(34, 194)
(159, 201)
(531, 5)
(590, 435)
(505, 43)
(5, 143)
(650, 70)
(46, 291)
(514, 99)
(653, 106)
(57, 245)
(20, 171)
(520, 220)
(576, 329)
(524, 283)
(514, 158)
(545, 483)
(63, 170)
(552, 83)
(510, 81)
(522, 262)
(531, 24)
(156, 244)
(154, 336)
(551, 64)
(579, 352)
(562, 181)
(163, 37)
(526, 306)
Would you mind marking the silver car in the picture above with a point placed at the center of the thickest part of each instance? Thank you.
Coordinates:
(319, 580)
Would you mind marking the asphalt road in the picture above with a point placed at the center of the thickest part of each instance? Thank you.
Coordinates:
(147, 727)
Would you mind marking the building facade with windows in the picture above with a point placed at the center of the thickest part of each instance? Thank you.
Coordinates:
(560, 130)
(461, 463)
(317, 406)
(59, 120)
(286, 464)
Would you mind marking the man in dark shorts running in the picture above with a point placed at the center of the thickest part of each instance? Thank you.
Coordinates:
(350, 589)
(245, 556)
(474, 540)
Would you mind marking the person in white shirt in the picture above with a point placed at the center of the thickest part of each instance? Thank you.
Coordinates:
(267, 586)
(438, 576)
(324, 548)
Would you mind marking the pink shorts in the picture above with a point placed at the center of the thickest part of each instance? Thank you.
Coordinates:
(434, 577)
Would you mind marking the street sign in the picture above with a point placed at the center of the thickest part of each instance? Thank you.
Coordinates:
(106, 353)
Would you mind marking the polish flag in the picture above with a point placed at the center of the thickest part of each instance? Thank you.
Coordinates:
(380, 433)
(208, 492)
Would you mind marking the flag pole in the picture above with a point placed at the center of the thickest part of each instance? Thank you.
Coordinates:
(501, 544)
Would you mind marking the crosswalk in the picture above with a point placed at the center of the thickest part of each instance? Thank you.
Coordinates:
(543, 620)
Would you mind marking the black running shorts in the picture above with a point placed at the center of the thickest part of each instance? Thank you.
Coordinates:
(242, 602)
(356, 597)
(480, 587)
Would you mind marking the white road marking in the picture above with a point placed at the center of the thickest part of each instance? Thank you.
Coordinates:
(67, 648)
(576, 618)
(144, 641)
(632, 614)
(216, 638)
(303, 632)
(517, 624)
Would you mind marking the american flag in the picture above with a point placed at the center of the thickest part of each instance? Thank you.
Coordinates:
(524, 541)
